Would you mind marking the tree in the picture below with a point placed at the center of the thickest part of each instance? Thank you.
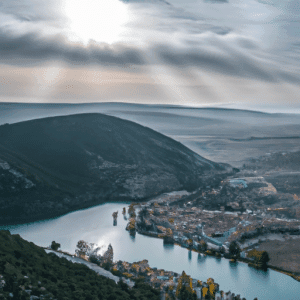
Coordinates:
(186, 294)
(143, 213)
(184, 289)
(131, 225)
(190, 243)
(261, 258)
(222, 249)
(212, 288)
(83, 248)
(234, 249)
(131, 210)
(55, 246)
(108, 256)
(202, 246)
(204, 292)
(168, 238)
(264, 258)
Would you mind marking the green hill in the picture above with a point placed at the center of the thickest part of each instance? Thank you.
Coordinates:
(51, 166)
(26, 270)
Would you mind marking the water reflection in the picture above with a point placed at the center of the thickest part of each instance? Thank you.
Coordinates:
(201, 258)
(190, 255)
(168, 247)
(262, 274)
(218, 260)
(233, 268)
(132, 235)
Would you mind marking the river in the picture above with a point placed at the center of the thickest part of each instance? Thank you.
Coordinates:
(95, 225)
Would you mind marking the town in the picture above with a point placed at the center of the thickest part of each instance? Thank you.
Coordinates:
(190, 221)
(230, 220)
(234, 219)
(172, 285)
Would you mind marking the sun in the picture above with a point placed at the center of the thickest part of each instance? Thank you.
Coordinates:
(98, 20)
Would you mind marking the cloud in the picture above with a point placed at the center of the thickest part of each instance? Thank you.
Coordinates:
(213, 54)
(31, 10)
(199, 47)
(33, 49)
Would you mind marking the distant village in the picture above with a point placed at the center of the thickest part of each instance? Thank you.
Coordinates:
(209, 232)
(233, 231)
(187, 224)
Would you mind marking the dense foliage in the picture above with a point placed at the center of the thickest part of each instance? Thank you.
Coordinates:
(55, 246)
(261, 258)
(184, 288)
(28, 270)
(234, 249)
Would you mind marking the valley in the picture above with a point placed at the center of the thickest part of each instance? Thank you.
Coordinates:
(52, 166)
(150, 150)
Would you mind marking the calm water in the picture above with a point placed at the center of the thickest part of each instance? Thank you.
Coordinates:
(95, 225)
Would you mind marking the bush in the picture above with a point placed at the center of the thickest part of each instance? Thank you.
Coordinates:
(55, 246)
(234, 249)
(261, 258)
(202, 246)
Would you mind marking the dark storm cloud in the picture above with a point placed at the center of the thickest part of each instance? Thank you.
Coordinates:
(32, 49)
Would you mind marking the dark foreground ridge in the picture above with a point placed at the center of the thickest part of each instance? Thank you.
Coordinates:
(28, 272)
(55, 165)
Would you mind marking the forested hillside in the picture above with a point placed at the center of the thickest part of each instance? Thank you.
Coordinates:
(28, 272)
(52, 166)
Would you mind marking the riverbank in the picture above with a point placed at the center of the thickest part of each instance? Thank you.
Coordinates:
(95, 225)
(90, 265)
(218, 255)
(50, 216)
(250, 263)
(159, 221)
(291, 274)
(168, 282)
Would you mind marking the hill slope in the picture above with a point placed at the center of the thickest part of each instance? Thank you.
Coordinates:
(28, 272)
(54, 165)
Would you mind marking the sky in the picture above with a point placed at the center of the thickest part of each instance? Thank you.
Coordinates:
(225, 53)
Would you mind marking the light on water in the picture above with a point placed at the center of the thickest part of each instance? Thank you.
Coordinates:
(95, 225)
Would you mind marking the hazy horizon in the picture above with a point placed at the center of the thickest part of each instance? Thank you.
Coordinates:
(267, 110)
